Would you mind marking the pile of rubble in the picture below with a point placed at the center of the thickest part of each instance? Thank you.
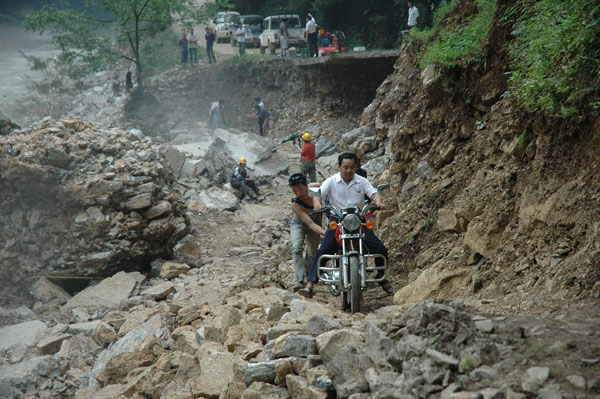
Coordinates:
(206, 161)
(167, 337)
(83, 201)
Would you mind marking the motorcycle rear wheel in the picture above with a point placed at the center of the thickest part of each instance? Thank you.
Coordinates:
(355, 292)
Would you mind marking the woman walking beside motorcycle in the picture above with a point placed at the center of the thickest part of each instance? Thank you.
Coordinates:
(303, 227)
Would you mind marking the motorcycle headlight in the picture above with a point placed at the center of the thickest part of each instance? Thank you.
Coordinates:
(351, 222)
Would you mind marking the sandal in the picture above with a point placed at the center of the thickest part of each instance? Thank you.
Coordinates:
(388, 288)
(306, 292)
(298, 287)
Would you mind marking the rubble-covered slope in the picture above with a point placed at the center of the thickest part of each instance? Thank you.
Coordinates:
(491, 203)
(76, 200)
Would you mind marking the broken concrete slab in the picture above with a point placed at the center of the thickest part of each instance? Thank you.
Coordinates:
(44, 290)
(26, 334)
(108, 293)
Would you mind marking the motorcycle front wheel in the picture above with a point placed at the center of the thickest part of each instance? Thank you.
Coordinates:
(355, 292)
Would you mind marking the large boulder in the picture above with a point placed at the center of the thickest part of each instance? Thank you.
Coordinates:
(216, 199)
(27, 334)
(346, 358)
(79, 200)
(108, 293)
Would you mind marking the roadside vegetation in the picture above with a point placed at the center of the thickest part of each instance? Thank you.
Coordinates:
(107, 32)
(451, 44)
(370, 23)
(556, 57)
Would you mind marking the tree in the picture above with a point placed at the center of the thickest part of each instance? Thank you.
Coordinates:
(106, 31)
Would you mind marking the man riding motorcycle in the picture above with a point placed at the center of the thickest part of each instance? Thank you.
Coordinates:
(346, 189)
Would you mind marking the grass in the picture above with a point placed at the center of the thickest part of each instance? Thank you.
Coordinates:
(160, 53)
(555, 56)
(458, 44)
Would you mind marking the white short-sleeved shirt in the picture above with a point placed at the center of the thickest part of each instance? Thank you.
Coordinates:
(344, 195)
(311, 26)
(192, 41)
(241, 38)
(413, 14)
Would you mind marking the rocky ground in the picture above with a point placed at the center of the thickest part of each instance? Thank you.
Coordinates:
(493, 238)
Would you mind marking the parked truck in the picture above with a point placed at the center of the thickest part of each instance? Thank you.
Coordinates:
(254, 27)
(223, 22)
(269, 38)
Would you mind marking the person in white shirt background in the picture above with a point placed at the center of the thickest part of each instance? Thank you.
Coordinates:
(311, 31)
(413, 15)
(241, 38)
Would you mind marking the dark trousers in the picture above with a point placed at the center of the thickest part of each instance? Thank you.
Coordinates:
(193, 55)
(313, 50)
(211, 54)
(243, 185)
(184, 56)
(329, 246)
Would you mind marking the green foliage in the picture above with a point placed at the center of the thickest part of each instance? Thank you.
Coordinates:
(160, 53)
(371, 23)
(458, 44)
(556, 56)
(106, 31)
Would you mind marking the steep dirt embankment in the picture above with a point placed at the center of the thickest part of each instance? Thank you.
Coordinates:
(299, 94)
(492, 203)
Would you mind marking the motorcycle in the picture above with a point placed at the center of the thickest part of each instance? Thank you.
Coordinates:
(352, 268)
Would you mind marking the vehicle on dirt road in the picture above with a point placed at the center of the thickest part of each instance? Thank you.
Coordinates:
(222, 23)
(254, 27)
(269, 38)
(352, 268)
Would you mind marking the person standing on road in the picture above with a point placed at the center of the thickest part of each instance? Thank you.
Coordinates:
(259, 102)
(217, 115)
(241, 38)
(346, 189)
(193, 47)
(263, 116)
(303, 227)
(240, 179)
(284, 37)
(413, 15)
(308, 158)
(183, 46)
(210, 41)
(311, 32)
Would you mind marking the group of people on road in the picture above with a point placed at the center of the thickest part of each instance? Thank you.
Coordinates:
(345, 189)
(188, 45)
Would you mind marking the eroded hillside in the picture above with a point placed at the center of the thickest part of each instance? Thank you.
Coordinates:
(491, 202)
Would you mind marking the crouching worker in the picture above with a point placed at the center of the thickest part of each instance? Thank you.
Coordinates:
(303, 227)
(346, 189)
(240, 180)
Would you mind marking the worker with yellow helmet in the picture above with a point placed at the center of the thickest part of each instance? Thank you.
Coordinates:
(241, 180)
(307, 166)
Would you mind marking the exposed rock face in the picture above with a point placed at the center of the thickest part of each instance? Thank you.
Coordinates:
(77, 200)
(476, 180)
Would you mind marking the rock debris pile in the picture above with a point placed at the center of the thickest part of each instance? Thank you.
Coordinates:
(169, 337)
(83, 201)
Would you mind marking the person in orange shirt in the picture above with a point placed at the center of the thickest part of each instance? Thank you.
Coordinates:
(308, 158)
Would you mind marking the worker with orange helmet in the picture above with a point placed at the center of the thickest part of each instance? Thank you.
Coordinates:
(241, 180)
(308, 158)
